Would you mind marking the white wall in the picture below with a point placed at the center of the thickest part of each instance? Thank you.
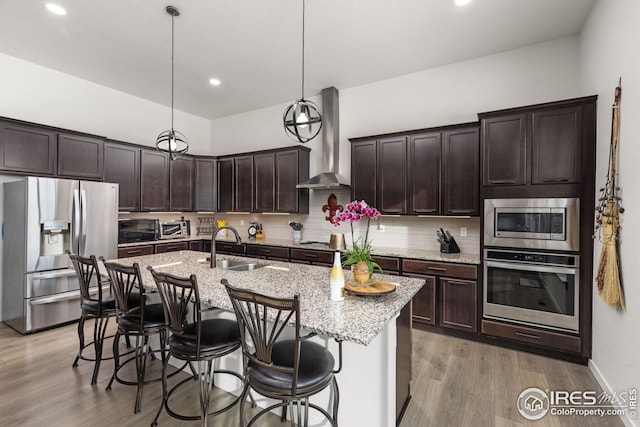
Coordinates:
(41, 95)
(608, 50)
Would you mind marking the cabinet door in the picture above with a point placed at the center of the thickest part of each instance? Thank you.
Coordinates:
(205, 185)
(181, 183)
(264, 166)
(363, 171)
(27, 149)
(225, 184)
(461, 167)
(556, 142)
(504, 144)
(244, 184)
(288, 197)
(154, 180)
(392, 175)
(172, 247)
(122, 166)
(424, 172)
(458, 304)
(80, 157)
(424, 302)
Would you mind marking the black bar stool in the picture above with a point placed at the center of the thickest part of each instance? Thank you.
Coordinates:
(288, 370)
(198, 340)
(93, 306)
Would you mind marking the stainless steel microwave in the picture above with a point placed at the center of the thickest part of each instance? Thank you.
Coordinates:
(539, 223)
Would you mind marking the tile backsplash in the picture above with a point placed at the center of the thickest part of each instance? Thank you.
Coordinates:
(387, 231)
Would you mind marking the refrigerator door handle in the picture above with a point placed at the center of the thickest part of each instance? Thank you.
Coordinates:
(76, 223)
(83, 231)
(65, 296)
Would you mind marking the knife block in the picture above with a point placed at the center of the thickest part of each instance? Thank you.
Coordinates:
(450, 248)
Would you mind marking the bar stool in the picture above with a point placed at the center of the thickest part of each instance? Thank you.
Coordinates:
(136, 318)
(93, 306)
(197, 340)
(288, 370)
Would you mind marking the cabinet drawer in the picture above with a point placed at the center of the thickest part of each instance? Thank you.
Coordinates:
(170, 247)
(312, 257)
(279, 252)
(388, 264)
(229, 248)
(532, 336)
(463, 271)
(135, 251)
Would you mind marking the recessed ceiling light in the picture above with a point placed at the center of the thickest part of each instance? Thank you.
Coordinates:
(56, 8)
(462, 2)
(214, 82)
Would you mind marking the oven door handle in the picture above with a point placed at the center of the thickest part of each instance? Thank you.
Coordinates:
(532, 267)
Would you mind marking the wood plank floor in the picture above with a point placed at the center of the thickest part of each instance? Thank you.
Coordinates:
(456, 383)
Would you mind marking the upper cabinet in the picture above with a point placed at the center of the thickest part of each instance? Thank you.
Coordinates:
(534, 146)
(122, 166)
(430, 172)
(205, 185)
(80, 157)
(264, 181)
(27, 149)
(181, 184)
(154, 180)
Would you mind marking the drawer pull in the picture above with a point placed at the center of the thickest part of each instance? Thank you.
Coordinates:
(173, 247)
(457, 282)
(266, 251)
(311, 256)
(503, 181)
(522, 334)
(556, 180)
(134, 252)
(457, 211)
(436, 269)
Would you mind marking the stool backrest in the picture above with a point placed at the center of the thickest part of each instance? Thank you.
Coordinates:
(126, 284)
(88, 273)
(177, 295)
(262, 319)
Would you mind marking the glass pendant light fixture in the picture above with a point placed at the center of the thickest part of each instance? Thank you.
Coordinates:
(171, 141)
(302, 119)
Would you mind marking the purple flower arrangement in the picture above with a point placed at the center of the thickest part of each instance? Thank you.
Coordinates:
(354, 212)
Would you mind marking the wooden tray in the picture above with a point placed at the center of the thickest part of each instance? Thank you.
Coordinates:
(376, 289)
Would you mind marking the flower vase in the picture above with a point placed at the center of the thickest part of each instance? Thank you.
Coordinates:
(361, 273)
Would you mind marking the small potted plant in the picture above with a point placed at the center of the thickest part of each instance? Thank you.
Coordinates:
(359, 257)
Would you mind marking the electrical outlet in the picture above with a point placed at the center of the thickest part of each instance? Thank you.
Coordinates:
(242, 222)
(381, 228)
(463, 231)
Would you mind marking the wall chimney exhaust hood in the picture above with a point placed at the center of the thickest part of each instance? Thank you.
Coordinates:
(330, 148)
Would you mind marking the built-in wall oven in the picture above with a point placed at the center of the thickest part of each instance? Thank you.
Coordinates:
(539, 223)
(533, 288)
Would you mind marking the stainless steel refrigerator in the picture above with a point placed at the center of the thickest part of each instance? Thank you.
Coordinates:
(44, 220)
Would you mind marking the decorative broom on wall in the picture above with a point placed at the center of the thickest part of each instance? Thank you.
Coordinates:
(608, 221)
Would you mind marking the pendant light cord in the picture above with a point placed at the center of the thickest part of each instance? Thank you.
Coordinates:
(303, 6)
(172, 43)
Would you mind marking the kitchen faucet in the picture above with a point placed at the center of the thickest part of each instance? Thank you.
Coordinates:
(212, 264)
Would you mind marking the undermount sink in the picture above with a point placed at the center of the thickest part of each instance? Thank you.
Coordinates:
(229, 264)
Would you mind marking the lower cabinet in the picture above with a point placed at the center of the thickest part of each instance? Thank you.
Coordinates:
(228, 248)
(171, 247)
(527, 335)
(311, 256)
(280, 253)
(449, 298)
(135, 251)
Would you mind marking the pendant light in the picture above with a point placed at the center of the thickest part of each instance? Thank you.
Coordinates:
(302, 119)
(171, 141)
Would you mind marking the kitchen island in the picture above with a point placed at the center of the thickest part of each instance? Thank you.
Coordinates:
(366, 326)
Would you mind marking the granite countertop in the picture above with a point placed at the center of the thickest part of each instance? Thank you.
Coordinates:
(357, 319)
(461, 258)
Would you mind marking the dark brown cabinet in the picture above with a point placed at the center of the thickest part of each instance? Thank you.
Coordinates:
(392, 178)
(424, 172)
(311, 256)
(268, 252)
(171, 247)
(292, 168)
(229, 248)
(122, 166)
(364, 156)
(80, 157)
(265, 167)
(504, 144)
(461, 172)
(226, 179)
(205, 185)
(449, 298)
(26, 149)
(135, 251)
(181, 184)
(243, 177)
(154, 180)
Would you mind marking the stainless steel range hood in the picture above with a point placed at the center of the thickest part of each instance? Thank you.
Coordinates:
(330, 148)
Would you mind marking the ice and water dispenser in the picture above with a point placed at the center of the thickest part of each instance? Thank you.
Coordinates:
(55, 237)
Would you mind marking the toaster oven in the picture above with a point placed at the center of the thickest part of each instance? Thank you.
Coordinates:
(175, 229)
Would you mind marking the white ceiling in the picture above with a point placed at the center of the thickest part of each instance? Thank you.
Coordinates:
(254, 46)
